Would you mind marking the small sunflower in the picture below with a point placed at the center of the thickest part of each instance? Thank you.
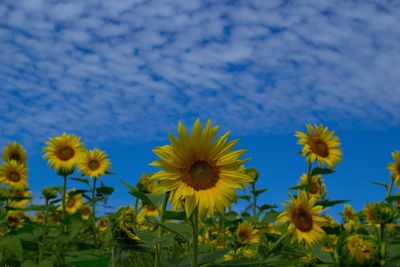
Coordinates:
(86, 211)
(103, 224)
(63, 152)
(246, 234)
(39, 217)
(14, 151)
(198, 171)
(349, 214)
(394, 167)
(23, 202)
(127, 222)
(149, 211)
(73, 203)
(304, 219)
(317, 188)
(371, 215)
(14, 219)
(320, 144)
(361, 250)
(14, 174)
(146, 185)
(94, 163)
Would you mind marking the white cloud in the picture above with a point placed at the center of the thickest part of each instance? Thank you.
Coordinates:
(128, 70)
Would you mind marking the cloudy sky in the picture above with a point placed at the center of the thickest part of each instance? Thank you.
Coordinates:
(124, 72)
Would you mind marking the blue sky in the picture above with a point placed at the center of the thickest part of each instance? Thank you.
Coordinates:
(120, 74)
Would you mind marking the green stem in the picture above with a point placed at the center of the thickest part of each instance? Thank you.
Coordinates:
(390, 187)
(63, 200)
(253, 187)
(136, 204)
(223, 228)
(44, 241)
(94, 211)
(195, 237)
(274, 246)
(309, 178)
(164, 203)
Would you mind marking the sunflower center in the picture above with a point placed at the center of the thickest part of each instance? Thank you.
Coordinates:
(303, 220)
(319, 147)
(15, 157)
(243, 235)
(93, 165)
(71, 202)
(14, 177)
(66, 153)
(314, 188)
(200, 174)
(151, 207)
(12, 221)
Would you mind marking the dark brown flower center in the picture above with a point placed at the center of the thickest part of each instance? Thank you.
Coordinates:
(243, 235)
(94, 165)
(151, 207)
(200, 174)
(66, 153)
(319, 147)
(314, 188)
(302, 219)
(71, 202)
(398, 169)
(13, 221)
(14, 176)
(16, 157)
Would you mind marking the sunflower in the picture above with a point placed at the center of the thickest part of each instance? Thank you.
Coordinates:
(14, 151)
(320, 144)
(14, 174)
(73, 203)
(63, 152)
(103, 224)
(349, 214)
(304, 220)
(127, 222)
(149, 211)
(360, 249)
(14, 219)
(39, 217)
(146, 185)
(94, 163)
(394, 167)
(317, 187)
(199, 172)
(23, 202)
(86, 211)
(371, 215)
(246, 234)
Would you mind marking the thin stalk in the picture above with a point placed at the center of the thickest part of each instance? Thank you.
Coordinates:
(136, 203)
(223, 227)
(43, 245)
(390, 187)
(195, 237)
(164, 202)
(309, 178)
(63, 201)
(277, 243)
(253, 187)
(94, 211)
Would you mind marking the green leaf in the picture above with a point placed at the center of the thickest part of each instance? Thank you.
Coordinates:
(45, 263)
(381, 184)
(13, 245)
(330, 203)
(130, 187)
(270, 216)
(392, 198)
(244, 263)
(174, 215)
(259, 191)
(182, 230)
(203, 258)
(321, 171)
(28, 263)
(76, 192)
(245, 197)
(323, 256)
(154, 200)
(105, 190)
(82, 180)
(267, 207)
(91, 262)
(299, 187)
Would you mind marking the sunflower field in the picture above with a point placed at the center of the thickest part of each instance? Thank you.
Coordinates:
(182, 215)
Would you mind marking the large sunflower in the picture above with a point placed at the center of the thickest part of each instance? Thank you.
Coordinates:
(63, 152)
(14, 151)
(394, 167)
(94, 163)
(14, 174)
(198, 171)
(320, 144)
(304, 219)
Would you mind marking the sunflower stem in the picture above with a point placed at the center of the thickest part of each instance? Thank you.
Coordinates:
(275, 245)
(253, 187)
(308, 178)
(42, 247)
(223, 228)
(94, 211)
(160, 230)
(195, 237)
(63, 200)
(390, 187)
